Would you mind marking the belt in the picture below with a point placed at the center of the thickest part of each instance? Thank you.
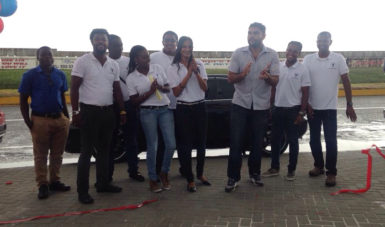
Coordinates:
(153, 107)
(83, 105)
(288, 108)
(48, 115)
(190, 103)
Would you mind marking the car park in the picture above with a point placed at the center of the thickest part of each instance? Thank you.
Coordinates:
(218, 105)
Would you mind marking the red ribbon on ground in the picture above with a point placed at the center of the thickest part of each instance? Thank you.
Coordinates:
(127, 207)
(368, 173)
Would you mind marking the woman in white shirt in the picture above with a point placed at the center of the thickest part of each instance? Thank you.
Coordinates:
(147, 85)
(188, 80)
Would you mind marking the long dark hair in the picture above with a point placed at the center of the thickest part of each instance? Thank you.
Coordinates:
(178, 55)
(133, 54)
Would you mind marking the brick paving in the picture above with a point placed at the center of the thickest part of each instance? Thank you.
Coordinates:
(303, 202)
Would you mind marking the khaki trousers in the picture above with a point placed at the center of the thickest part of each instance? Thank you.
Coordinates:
(48, 134)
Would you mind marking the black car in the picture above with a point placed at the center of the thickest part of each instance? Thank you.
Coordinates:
(218, 103)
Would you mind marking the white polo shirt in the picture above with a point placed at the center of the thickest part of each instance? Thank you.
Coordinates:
(252, 91)
(97, 86)
(192, 92)
(138, 83)
(325, 75)
(291, 79)
(165, 61)
(123, 62)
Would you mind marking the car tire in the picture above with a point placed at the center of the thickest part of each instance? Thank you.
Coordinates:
(267, 144)
(119, 151)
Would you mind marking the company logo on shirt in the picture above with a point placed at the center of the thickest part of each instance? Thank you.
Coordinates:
(332, 65)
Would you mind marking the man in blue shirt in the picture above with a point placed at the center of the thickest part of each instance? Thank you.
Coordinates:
(49, 120)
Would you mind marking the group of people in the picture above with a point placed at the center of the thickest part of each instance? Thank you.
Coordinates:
(165, 93)
(286, 92)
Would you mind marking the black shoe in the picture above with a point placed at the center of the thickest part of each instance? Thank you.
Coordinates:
(256, 180)
(137, 176)
(85, 198)
(191, 187)
(231, 185)
(109, 188)
(59, 186)
(43, 192)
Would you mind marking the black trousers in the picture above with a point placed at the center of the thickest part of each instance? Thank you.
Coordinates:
(283, 122)
(191, 128)
(130, 138)
(328, 119)
(241, 120)
(96, 133)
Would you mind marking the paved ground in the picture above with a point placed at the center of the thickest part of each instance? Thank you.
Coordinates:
(304, 202)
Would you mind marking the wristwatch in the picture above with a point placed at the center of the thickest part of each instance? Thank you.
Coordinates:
(302, 113)
(75, 112)
(349, 103)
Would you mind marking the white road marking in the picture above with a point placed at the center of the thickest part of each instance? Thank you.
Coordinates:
(12, 120)
(365, 108)
(16, 147)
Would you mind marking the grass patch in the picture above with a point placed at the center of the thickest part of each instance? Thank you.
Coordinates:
(216, 71)
(367, 75)
(10, 78)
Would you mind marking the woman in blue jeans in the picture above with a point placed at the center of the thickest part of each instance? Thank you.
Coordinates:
(147, 85)
(188, 80)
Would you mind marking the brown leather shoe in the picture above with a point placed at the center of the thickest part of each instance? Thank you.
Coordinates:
(154, 187)
(330, 180)
(315, 172)
(165, 182)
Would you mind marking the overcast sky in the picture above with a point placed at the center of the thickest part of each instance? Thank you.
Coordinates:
(214, 25)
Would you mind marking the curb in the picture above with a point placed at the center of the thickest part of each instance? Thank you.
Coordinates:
(14, 100)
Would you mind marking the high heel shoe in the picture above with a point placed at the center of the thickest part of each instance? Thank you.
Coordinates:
(191, 187)
(204, 181)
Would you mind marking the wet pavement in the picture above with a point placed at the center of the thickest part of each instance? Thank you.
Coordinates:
(16, 148)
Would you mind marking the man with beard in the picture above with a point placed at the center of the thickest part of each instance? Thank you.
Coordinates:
(253, 70)
(49, 121)
(290, 100)
(326, 68)
(164, 58)
(94, 84)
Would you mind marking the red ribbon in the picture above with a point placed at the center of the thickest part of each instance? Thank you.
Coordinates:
(127, 207)
(368, 173)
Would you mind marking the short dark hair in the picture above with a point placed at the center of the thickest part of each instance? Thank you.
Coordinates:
(296, 43)
(170, 33)
(98, 31)
(326, 34)
(38, 50)
(258, 25)
(112, 37)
